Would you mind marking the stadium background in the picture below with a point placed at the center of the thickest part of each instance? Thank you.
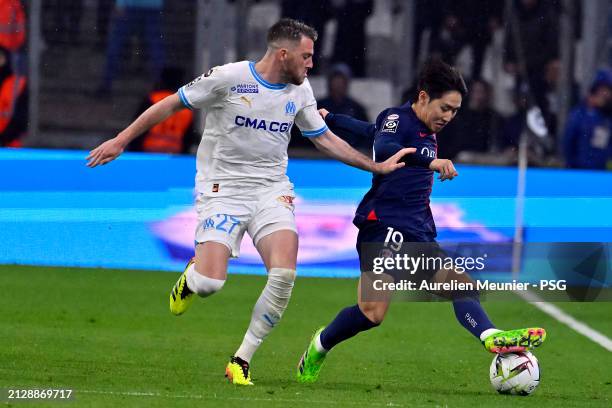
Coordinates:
(136, 213)
(73, 106)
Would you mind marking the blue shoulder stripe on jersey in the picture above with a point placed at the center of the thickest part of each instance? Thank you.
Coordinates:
(183, 98)
(313, 133)
(262, 81)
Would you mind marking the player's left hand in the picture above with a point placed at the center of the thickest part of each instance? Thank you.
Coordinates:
(445, 167)
(393, 163)
(106, 152)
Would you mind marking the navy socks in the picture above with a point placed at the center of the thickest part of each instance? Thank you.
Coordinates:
(347, 323)
(472, 316)
(351, 321)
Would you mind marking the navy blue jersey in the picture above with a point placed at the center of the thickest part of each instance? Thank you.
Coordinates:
(400, 198)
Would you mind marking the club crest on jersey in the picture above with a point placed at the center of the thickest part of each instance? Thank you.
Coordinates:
(245, 88)
(390, 126)
(290, 108)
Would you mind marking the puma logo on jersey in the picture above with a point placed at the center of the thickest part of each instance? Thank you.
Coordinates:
(246, 100)
(255, 123)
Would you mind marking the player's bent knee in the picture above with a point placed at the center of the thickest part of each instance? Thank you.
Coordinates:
(278, 289)
(285, 275)
(374, 311)
(203, 285)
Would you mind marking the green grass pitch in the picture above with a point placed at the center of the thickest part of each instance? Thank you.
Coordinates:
(109, 336)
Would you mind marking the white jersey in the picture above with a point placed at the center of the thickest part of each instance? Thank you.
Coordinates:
(248, 127)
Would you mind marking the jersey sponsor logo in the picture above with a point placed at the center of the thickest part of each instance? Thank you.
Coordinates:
(290, 108)
(245, 88)
(426, 151)
(393, 116)
(390, 126)
(261, 124)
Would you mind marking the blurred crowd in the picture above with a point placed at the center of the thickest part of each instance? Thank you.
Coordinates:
(510, 76)
(13, 83)
(508, 73)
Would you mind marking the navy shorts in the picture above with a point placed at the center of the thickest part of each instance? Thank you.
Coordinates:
(376, 239)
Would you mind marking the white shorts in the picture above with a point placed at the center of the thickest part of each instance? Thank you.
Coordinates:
(262, 212)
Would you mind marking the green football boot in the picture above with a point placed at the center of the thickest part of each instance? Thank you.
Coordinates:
(311, 362)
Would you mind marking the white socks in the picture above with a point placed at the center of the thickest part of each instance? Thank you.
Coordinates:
(319, 346)
(268, 310)
(201, 284)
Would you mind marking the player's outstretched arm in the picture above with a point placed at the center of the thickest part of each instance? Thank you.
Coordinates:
(337, 148)
(386, 146)
(346, 123)
(112, 148)
(445, 168)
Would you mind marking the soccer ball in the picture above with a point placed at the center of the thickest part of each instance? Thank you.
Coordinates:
(515, 373)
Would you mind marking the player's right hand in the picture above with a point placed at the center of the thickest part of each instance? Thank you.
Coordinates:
(394, 162)
(106, 152)
(445, 168)
(323, 112)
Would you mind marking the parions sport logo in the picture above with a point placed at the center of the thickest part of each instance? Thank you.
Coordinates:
(261, 124)
(245, 88)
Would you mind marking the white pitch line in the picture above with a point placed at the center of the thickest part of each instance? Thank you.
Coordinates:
(566, 319)
(215, 397)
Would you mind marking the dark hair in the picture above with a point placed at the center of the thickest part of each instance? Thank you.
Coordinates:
(437, 78)
(290, 29)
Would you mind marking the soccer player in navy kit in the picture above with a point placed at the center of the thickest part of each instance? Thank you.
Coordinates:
(398, 203)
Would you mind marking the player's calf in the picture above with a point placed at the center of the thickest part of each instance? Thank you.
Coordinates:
(374, 311)
(203, 285)
(268, 310)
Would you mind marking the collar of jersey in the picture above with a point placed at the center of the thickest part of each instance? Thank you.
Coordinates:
(263, 81)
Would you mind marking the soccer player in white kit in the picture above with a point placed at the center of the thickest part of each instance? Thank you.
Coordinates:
(241, 180)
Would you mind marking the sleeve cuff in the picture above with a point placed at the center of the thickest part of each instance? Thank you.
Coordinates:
(417, 159)
(314, 133)
(183, 98)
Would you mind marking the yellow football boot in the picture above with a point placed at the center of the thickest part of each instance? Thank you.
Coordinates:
(238, 372)
(181, 296)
